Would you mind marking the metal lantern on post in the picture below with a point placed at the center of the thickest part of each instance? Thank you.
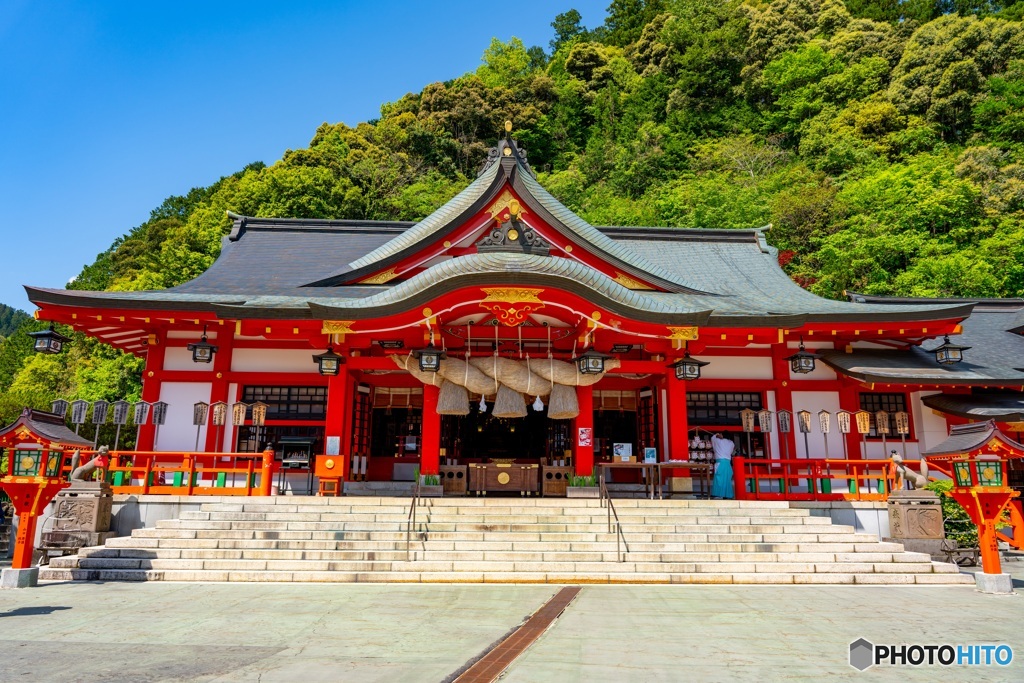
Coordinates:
(259, 418)
(863, 420)
(159, 417)
(219, 417)
(99, 417)
(238, 416)
(843, 419)
(747, 417)
(902, 428)
(202, 351)
(59, 407)
(141, 414)
(48, 341)
(785, 427)
(687, 368)
(948, 353)
(764, 421)
(982, 490)
(120, 419)
(802, 362)
(79, 410)
(882, 427)
(825, 425)
(200, 409)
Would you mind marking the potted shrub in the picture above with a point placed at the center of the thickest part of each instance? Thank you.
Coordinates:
(583, 486)
(430, 485)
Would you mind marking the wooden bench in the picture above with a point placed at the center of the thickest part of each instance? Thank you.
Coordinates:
(961, 555)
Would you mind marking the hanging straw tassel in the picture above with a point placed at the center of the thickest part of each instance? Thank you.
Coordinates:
(509, 403)
(452, 399)
(563, 404)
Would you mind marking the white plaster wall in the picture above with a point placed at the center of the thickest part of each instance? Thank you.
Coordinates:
(929, 426)
(180, 358)
(178, 433)
(737, 367)
(274, 360)
(814, 401)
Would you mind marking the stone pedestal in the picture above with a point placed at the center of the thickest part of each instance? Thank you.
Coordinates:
(992, 583)
(84, 506)
(19, 578)
(915, 520)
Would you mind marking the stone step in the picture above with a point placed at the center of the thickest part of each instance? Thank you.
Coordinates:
(557, 577)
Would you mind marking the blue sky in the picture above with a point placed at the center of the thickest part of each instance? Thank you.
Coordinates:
(107, 107)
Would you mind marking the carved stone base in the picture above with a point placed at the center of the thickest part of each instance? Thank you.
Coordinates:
(915, 515)
(83, 506)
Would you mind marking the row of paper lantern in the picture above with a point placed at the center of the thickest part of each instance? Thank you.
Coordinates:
(217, 413)
(804, 420)
(117, 410)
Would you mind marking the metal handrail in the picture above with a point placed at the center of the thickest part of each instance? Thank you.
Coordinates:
(410, 520)
(606, 500)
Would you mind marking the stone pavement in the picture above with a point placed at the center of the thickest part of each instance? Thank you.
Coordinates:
(354, 632)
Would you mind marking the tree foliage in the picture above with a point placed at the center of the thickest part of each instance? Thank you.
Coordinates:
(882, 139)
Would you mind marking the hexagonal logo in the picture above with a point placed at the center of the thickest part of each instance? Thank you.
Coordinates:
(862, 654)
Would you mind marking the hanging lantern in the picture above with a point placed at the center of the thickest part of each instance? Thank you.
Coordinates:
(764, 420)
(863, 419)
(902, 422)
(202, 351)
(687, 368)
(328, 362)
(882, 422)
(785, 421)
(747, 417)
(803, 420)
(824, 421)
(48, 341)
(947, 353)
(802, 361)
(591, 363)
(843, 418)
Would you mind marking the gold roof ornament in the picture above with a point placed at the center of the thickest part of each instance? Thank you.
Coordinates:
(508, 126)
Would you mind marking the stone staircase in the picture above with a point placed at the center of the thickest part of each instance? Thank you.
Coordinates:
(501, 540)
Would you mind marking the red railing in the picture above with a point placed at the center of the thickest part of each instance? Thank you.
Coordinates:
(185, 473)
(814, 479)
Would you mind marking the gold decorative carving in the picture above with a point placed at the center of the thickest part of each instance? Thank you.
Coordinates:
(630, 283)
(683, 333)
(503, 203)
(503, 478)
(511, 305)
(338, 327)
(380, 278)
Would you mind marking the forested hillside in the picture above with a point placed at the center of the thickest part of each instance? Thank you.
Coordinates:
(882, 140)
(10, 320)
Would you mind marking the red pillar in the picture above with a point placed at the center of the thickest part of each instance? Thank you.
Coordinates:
(678, 441)
(583, 462)
(151, 381)
(338, 389)
(430, 458)
(219, 386)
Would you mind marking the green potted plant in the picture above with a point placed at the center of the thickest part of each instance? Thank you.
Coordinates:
(430, 485)
(583, 486)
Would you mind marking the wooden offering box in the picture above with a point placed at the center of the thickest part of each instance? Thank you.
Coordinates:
(497, 477)
(554, 480)
(454, 479)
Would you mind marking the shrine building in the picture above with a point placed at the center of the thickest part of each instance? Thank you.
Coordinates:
(504, 326)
